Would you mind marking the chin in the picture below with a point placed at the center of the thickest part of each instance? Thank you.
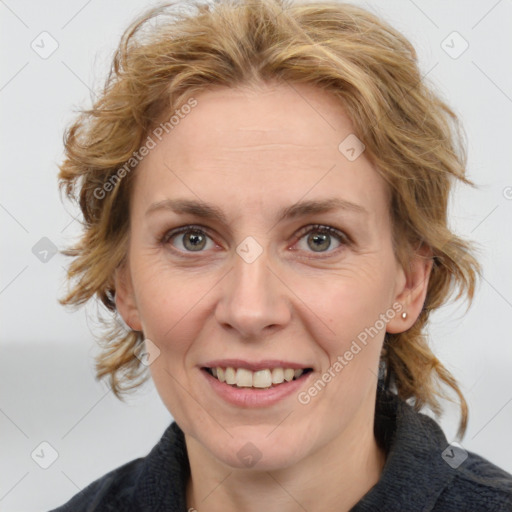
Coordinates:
(259, 452)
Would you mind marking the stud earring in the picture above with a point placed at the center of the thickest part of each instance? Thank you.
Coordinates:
(404, 315)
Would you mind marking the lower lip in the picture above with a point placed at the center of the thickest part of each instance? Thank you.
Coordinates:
(253, 397)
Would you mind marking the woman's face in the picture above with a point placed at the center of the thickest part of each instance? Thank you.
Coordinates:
(257, 285)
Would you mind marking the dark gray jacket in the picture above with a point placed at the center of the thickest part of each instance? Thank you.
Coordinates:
(422, 473)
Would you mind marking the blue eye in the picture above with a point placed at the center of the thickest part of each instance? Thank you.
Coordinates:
(195, 238)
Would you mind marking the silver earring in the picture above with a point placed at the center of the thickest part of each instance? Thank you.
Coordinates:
(404, 315)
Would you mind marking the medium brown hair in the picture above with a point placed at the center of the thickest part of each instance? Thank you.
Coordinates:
(413, 138)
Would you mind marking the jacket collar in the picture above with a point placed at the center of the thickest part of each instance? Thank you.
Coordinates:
(415, 473)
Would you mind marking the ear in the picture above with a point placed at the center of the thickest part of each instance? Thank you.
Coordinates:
(125, 297)
(412, 290)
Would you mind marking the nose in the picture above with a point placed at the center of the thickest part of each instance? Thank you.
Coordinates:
(254, 302)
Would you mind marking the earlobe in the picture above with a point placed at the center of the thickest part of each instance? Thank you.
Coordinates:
(412, 291)
(125, 298)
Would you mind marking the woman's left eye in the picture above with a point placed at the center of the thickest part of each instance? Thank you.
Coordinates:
(319, 238)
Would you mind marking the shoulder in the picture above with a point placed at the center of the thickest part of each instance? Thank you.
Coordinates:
(424, 472)
(478, 485)
(110, 492)
(154, 482)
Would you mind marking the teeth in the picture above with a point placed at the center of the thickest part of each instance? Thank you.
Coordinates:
(230, 376)
(277, 376)
(244, 378)
(262, 379)
(288, 374)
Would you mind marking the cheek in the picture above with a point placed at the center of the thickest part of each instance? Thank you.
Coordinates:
(171, 305)
(347, 314)
(349, 297)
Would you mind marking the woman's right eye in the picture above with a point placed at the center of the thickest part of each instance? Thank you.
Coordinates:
(193, 239)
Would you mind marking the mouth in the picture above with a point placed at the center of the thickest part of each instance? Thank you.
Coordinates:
(265, 378)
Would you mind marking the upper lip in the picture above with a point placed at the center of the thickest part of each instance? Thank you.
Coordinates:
(254, 365)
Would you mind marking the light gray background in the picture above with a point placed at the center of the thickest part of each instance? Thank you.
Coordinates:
(47, 389)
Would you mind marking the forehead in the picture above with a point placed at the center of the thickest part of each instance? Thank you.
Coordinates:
(264, 118)
(260, 145)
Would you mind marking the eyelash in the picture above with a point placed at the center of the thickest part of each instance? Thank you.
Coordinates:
(344, 239)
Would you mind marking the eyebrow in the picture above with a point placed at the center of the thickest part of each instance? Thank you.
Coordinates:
(212, 212)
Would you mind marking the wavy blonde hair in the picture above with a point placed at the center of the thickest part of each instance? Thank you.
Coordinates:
(413, 138)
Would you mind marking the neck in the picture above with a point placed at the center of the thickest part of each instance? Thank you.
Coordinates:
(335, 477)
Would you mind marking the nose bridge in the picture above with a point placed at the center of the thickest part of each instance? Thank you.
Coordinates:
(252, 299)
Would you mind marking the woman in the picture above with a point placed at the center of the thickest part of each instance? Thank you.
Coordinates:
(265, 187)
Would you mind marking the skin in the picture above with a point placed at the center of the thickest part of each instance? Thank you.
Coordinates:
(251, 151)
